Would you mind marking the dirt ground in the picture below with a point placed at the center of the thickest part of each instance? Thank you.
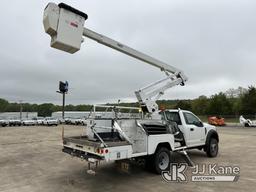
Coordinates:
(31, 160)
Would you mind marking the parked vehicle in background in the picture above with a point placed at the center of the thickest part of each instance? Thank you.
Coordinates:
(28, 122)
(76, 121)
(39, 120)
(15, 122)
(83, 122)
(3, 122)
(216, 120)
(50, 121)
(247, 122)
(67, 120)
(61, 121)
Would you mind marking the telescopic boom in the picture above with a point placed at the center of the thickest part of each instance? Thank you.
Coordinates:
(65, 25)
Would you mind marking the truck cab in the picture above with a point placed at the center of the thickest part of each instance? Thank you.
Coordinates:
(190, 131)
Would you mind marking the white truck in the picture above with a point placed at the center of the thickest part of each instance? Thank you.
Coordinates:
(50, 121)
(247, 122)
(152, 135)
(4, 122)
(28, 122)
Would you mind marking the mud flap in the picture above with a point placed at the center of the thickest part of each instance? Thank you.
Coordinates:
(123, 166)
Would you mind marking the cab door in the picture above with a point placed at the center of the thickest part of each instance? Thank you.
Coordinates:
(195, 130)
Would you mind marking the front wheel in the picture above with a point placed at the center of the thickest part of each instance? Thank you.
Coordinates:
(212, 148)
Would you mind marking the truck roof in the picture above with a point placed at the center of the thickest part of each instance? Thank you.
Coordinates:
(176, 110)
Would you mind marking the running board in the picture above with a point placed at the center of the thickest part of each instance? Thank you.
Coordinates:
(179, 148)
(187, 158)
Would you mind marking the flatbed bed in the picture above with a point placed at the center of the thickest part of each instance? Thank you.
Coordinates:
(84, 140)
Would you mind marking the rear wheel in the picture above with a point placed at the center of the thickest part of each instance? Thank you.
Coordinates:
(212, 148)
(161, 160)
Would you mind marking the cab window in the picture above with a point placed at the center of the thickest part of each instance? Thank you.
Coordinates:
(191, 119)
(172, 116)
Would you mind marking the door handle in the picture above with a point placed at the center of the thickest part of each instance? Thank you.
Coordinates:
(191, 129)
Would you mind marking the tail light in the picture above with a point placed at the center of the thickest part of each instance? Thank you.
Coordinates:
(102, 151)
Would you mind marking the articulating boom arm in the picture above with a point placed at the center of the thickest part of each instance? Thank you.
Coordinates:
(66, 27)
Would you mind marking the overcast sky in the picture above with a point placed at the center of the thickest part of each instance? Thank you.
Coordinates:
(212, 41)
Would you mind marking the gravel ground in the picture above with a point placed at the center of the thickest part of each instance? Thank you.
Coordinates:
(31, 160)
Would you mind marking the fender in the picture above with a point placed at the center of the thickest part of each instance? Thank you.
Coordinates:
(211, 133)
(159, 145)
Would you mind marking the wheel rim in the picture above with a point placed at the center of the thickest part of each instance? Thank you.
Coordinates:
(214, 147)
(163, 161)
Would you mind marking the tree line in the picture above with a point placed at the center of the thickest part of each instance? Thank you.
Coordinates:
(45, 109)
(232, 102)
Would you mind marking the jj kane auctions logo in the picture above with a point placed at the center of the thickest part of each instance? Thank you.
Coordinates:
(201, 173)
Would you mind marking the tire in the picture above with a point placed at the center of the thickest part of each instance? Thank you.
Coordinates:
(161, 160)
(246, 125)
(212, 147)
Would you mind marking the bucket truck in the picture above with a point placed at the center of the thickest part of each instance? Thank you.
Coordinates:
(149, 135)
